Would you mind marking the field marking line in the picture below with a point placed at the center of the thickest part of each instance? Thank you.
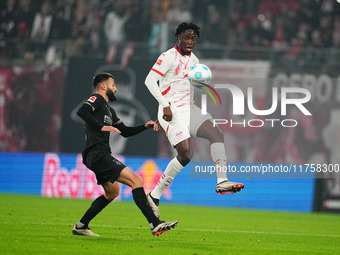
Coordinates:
(233, 231)
(188, 229)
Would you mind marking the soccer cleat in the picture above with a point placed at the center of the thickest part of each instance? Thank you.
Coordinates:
(163, 226)
(153, 205)
(228, 187)
(83, 231)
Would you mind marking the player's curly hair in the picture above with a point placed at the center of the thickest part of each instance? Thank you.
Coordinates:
(184, 26)
(99, 78)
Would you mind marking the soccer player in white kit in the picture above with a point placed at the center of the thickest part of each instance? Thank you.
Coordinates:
(175, 106)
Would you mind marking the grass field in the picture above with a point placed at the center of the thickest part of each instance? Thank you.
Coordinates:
(36, 225)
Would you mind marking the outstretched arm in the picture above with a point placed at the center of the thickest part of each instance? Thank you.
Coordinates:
(130, 131)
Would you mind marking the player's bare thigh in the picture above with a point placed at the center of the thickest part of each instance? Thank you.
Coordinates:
(128, 177)
(183, 149)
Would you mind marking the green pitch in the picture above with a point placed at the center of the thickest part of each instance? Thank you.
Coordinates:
(35, 225)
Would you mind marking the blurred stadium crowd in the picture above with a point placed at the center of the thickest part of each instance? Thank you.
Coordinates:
(91, 26)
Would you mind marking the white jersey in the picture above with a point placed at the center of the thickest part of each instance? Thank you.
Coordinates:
(174, 85)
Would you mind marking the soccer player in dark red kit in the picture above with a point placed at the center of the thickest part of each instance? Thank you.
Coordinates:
(100, 119)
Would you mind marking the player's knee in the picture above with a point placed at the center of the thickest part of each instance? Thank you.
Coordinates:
(115, 194)
(184, 158)
(216, 136)
(111, 194)
(138, 181)
(220, 135)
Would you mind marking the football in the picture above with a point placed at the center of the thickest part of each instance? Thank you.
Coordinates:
(198, 75)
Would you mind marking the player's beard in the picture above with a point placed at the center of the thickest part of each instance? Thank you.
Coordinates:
(111, 95)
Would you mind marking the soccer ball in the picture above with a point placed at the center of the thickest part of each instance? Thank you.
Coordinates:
(199, 74)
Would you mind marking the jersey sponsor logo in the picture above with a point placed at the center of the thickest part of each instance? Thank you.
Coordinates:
(182, 63)
(92, 99)
(159, 62)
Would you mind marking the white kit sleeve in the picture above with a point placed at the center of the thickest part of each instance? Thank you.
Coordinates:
(151, 83)
(162, 65)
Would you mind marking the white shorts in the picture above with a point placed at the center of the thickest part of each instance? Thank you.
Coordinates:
(197, 119)
(183, 124)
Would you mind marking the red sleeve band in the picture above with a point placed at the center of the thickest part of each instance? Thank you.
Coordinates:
(166, 91)
(156, 71)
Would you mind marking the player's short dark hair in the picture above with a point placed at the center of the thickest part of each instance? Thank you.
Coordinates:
(99, 78)
(185, 26)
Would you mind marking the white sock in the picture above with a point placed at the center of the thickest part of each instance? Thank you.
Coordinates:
(173, 168)
(219, 157)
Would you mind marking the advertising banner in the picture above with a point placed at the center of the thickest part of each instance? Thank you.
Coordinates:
(64, 176)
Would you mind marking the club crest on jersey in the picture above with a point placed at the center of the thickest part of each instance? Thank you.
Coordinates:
(92, 99)
(179, 133)
(107, 120)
